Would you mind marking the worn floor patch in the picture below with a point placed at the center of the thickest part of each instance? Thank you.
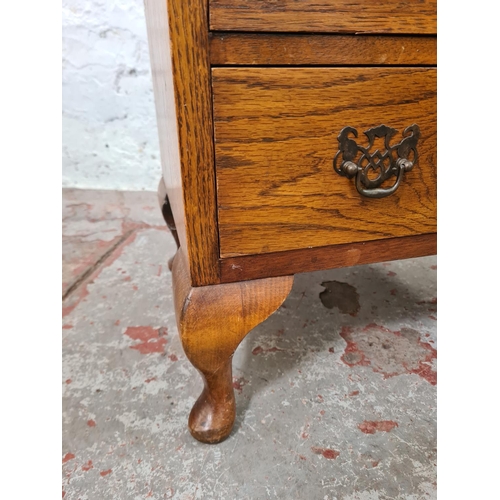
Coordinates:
(332, 403)
(340, 295)
(390, 352)
(95, 223)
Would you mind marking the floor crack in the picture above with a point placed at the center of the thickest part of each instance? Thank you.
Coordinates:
(80, 279)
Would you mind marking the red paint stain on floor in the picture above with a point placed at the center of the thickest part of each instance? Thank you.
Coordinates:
(434, 268)
(67, 327)
(331, 349)
(354, 393)
(117, 322)
(425, 371)
(91, 423)
(173, 357)
(393, 291)
(105, 472)
(86, 467)
(433, 301)
(326, 452)
(148, 380)
(239, 383)
(68, 457)
(391, 273)
(74, 300)
(373, 426)
(150, 339)
(68, 381)
(260, 350)
(389, 352)
(352, 354)
(257, 350)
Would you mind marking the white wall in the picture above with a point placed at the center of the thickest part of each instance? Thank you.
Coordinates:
(110, 140)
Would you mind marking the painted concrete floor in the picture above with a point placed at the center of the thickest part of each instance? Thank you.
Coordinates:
(336, 392)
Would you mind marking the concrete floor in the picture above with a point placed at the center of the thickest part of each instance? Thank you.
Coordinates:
(336, 392)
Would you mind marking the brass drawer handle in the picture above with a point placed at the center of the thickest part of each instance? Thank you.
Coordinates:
(359, 162)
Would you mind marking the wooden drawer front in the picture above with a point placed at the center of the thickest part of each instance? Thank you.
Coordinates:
(275, 139)
(325, 16)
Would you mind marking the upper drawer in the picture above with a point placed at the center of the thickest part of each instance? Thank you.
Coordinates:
(325, 16)
(277, 133)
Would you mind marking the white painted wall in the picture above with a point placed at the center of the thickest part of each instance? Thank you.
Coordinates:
(110, 139)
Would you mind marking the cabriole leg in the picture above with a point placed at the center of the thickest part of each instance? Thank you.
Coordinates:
(212, 321)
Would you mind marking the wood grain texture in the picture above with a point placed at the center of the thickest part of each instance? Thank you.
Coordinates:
(178, 44)
(275, 49)
(276, 135)
(314, 259)
(332, 16)
(212, 321)
(163, 86)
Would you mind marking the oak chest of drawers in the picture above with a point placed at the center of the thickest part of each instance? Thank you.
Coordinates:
(295, 136)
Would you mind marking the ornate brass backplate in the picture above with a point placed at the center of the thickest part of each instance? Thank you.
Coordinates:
(357, 161)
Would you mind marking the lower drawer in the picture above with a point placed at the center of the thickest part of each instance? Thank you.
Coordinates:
(276, 137)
